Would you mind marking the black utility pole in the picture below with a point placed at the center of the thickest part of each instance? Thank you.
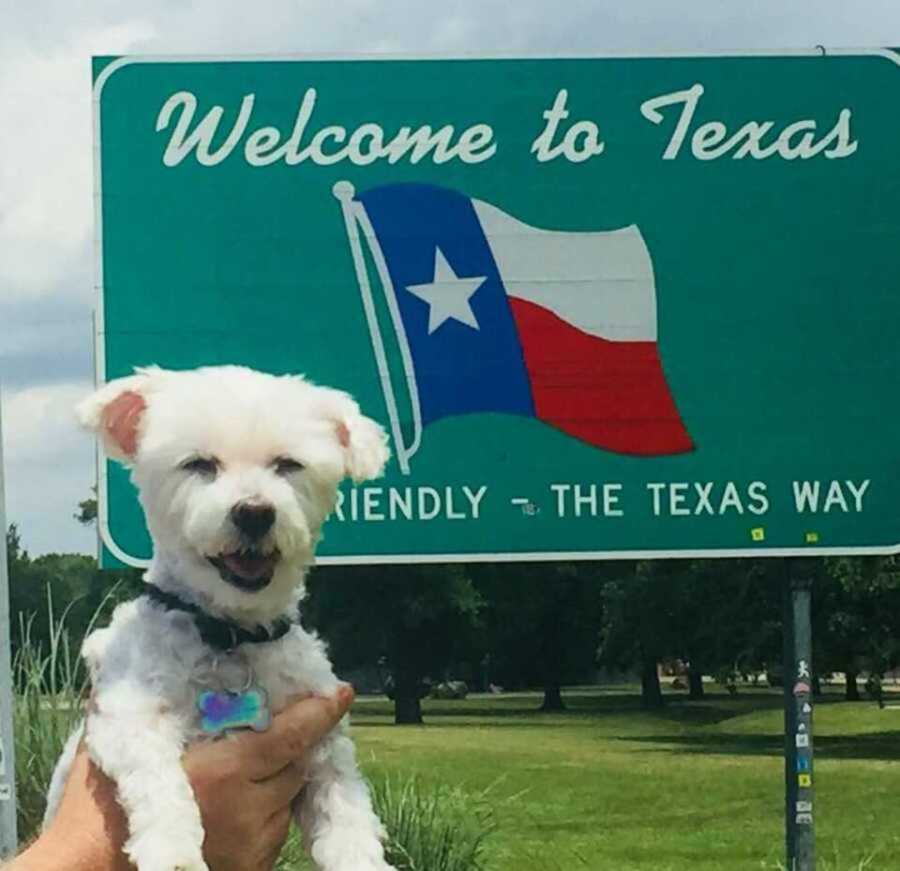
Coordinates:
(798, 728)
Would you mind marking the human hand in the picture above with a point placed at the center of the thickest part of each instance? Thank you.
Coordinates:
(244, 786)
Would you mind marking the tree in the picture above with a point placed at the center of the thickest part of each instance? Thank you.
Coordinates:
(541, 624)
(637, 629)
(856, 617)
(718, 616)
(727, 617)
(86, 514)
(414, 619)
(76, 584)
(26, 595)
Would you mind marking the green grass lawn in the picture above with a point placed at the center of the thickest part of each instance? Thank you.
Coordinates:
(606, 786)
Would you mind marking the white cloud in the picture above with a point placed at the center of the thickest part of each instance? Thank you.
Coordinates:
(39, 422)
(49, 465)
(46, 201)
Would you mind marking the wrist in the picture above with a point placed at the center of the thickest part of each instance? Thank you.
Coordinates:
(44, 853)
(53, 851)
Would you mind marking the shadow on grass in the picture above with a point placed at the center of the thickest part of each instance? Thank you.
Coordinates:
(590, 710)
(872, 745)
(580, 710)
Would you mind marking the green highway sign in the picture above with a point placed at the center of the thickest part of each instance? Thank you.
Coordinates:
(605, 307)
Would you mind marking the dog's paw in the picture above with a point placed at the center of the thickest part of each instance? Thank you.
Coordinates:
(182, 863)
(166, 857)
(370, 865)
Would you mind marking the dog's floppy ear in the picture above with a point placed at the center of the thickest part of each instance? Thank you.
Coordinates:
(363, 441)
(115, 412)
(365, 447)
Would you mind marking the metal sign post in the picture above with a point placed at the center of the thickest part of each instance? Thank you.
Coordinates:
(798, 700)
(8, 835)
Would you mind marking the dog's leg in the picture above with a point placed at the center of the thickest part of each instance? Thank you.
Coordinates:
(138, 744)
(340, 829)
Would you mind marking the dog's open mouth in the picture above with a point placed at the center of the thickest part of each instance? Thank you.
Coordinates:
(248, 570)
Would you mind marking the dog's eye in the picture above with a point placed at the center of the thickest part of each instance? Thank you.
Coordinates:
(207, 466)
(286, 466)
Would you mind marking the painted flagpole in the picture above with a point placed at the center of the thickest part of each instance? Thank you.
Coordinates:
(8, 834)
(344, 192)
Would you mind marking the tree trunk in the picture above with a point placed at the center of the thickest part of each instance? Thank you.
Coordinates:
(552, 698)
(852, 693)
(651, 692)
(407, 710)
(407, 695)
(695, 683)
(552, 649)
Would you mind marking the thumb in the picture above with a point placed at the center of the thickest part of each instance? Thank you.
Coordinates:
(294, 732)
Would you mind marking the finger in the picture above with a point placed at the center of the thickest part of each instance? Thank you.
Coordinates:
(281, 789)
(293, 733)
(273, 834)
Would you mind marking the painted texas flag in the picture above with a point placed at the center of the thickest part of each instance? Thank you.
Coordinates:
(494, 315)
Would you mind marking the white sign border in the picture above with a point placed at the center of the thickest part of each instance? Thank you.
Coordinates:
(542, 556)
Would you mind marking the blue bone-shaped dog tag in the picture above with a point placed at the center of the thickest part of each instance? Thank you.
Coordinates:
(222, 709)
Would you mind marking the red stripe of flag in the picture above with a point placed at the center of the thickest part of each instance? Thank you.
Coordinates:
(612, 395)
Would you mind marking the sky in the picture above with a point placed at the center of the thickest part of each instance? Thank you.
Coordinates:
(46, 223)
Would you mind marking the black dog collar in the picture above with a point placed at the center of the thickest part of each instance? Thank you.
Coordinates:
(220, 634)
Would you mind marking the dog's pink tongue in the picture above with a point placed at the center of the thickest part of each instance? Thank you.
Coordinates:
(250, 566)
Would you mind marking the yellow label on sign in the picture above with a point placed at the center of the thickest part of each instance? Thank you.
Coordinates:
(804, 780)
(812, 537)
(758, 534)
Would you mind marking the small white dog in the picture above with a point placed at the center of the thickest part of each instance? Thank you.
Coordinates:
(237, 470)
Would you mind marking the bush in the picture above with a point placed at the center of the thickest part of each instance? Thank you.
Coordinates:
(49, 686)
(433, 828)
(429, 828)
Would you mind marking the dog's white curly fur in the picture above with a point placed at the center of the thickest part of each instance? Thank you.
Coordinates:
(149, 664)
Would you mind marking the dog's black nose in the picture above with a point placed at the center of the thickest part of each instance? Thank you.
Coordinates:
(252, 518)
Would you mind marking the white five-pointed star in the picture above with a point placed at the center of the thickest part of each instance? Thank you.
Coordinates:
(448, 295)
